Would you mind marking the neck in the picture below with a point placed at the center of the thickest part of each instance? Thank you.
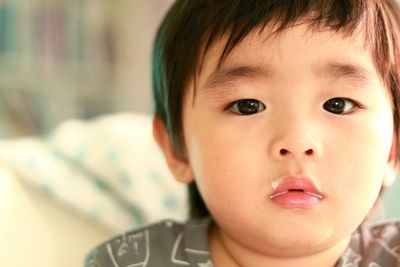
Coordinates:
(227, 252)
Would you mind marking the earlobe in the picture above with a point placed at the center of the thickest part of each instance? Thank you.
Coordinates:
(177, 163)
(390, 176)
(392, 167)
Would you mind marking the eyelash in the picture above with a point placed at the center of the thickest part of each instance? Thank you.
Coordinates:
(261, 107)
(231, 107)
(356, 105)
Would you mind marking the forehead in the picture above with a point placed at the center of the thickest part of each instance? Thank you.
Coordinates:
(270, 54)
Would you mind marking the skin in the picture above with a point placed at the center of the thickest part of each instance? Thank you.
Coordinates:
(234, 158)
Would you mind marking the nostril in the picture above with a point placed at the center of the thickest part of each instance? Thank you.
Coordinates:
(309, 152)
(283, 152)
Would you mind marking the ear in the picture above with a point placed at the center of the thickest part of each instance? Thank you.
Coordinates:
(177, 162)
(392, 167)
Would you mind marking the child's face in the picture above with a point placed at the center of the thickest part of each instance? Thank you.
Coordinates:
(343, 146)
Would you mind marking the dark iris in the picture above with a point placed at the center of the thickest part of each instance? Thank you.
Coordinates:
(335, 105)
(248, 106)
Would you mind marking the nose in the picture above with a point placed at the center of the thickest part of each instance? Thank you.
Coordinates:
(297, 144)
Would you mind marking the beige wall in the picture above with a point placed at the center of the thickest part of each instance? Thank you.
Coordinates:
(136, 23)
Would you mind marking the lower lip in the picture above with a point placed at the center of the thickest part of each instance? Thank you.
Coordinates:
(297, 200)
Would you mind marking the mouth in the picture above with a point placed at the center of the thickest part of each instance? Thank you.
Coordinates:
(295, 190)
(296, 193)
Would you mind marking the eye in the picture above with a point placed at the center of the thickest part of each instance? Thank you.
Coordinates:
(246, 107)
(339, 105)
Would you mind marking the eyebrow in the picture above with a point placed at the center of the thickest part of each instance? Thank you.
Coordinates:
(335, 69)
(222, 76)
(352, 72)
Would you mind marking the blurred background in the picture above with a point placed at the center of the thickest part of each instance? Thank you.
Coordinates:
(61, 59)
(65, 187)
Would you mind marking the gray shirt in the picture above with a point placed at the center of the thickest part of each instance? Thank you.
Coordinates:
(172, 244)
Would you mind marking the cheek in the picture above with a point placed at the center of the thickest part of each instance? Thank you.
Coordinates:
(225, 169)
(221, 161)
(358, 151)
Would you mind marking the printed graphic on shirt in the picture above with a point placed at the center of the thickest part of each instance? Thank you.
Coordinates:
(351, 258)
(207, 264)
(385, 239)
(170, 244)
(132, 248)
(180, 253)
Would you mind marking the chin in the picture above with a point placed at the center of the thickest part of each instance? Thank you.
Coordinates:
(296, 239)
(299, 246)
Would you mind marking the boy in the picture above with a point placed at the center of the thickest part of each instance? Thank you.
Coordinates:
(283, 116)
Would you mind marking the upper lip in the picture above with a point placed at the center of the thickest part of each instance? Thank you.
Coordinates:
(292, 183)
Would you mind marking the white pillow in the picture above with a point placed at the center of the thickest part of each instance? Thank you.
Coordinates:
(108, 168)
